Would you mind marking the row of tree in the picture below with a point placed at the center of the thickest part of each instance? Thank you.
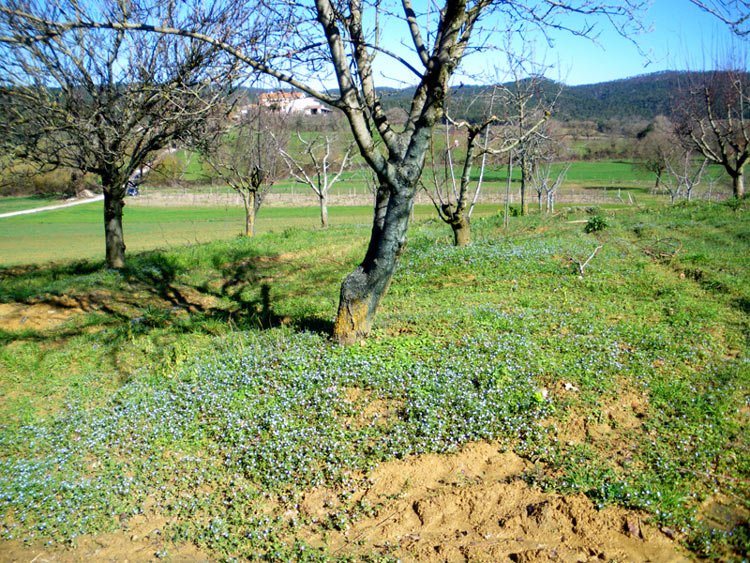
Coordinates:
(102, 86)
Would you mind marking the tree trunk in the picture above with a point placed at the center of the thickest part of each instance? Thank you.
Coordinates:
(248, 200)
(524, 182)
(539, 201)
(362, 290)
(323, 210)
(738, 185)
(461, 231)
(113, 235)
(506, 214)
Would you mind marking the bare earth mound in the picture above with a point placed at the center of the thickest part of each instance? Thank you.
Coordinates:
(473, 506)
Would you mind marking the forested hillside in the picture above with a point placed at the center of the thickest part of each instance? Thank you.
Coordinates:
(639, 97)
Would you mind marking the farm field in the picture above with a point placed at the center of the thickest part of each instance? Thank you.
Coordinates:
(10, 204)
(592, 180)
(78, 232)
(600, 174)
(163, 217)
(193, 404)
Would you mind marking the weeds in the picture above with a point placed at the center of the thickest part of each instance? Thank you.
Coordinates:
(595, 224)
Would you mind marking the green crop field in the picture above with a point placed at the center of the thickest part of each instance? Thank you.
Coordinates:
(196, 391)
(77, 232)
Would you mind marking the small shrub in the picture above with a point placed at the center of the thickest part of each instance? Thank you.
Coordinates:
(595, 224)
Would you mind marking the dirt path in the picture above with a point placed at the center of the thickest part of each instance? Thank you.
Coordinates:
(51, 207)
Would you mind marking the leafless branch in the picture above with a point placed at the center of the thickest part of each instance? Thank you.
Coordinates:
(582, 265)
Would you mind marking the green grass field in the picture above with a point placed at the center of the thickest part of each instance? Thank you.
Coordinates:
(77, 232)
(581, 173)
(9, 204)
(198, 385)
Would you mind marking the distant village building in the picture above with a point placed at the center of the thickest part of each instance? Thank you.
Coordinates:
(292, 102)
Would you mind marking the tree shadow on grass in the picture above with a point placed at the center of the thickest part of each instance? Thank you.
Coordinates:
(158, 290)
(238, 290)
(23, 274)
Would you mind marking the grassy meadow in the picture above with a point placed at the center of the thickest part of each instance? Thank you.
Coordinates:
(10, 204)
(78, 231)
(172, 216)
(198, 384)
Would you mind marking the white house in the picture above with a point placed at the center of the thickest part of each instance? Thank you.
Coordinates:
(292, 102)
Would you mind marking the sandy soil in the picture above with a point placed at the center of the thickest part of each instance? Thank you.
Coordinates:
(470, 506)
(142, 541)
(473, 506)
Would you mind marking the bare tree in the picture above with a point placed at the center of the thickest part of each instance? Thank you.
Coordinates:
(246, 155)
(545, 149)
(302, 44)
(528, 99)
(734, 13)
(655, 146)
(547, 186)
(455, 197)
(319, 170)
(713, 115)
(100, 102)
(683, 174)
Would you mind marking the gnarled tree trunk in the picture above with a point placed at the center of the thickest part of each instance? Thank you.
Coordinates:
(113, 234)
(461, 231)
(363, 289)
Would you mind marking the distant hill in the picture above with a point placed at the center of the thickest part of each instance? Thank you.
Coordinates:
(639, 97)
(644, 96)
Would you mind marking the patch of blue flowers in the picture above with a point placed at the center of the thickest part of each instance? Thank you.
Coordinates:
(265, 412)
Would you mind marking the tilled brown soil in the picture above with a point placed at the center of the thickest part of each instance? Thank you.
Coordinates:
(163, 198)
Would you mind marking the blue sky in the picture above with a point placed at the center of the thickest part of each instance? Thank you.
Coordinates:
(681, 36)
